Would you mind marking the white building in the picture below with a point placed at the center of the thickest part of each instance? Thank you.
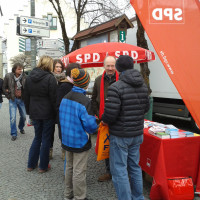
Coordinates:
(43, 9)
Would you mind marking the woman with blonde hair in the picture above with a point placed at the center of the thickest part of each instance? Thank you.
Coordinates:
(40, 103)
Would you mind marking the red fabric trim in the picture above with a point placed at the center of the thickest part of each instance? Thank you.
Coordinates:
(102, 101)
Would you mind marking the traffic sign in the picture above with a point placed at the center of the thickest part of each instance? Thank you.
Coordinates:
(48, 44)
(30, 21)
(31, 31)
(50, 52)
(122, 36)
(29, 26)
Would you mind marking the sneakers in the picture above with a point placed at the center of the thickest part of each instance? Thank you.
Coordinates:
(105, 177)
(13, 138)
(51, 153)
(22, 131)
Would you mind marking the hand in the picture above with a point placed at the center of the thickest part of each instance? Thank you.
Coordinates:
(104, 124)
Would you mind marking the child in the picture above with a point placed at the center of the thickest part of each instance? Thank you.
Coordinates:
(77, 122)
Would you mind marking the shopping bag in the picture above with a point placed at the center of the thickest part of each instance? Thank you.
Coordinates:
(29, 121)
(180, 188)
(102, 143)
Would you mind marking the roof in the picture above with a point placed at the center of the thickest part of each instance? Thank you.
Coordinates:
(104, 27)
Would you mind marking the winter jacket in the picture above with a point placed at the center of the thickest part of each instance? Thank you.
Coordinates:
(9, 84)
(76, 121)
(126, 104)
(40, 94)
(96, 91)
(64, 87)
(1, 90)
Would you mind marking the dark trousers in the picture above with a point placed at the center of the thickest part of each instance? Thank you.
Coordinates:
(52, 136)
(107, 165)
(41, 143)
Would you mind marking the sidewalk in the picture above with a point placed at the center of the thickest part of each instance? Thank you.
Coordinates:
(18, 184)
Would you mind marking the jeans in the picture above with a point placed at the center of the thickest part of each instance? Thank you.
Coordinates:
(13, 105)
(0, 105)
(125, 170)
(41, 144)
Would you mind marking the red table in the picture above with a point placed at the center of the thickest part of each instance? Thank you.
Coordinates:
(162, 158)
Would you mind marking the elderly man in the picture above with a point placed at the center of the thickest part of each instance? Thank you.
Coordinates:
(126, 104)
(99, 95)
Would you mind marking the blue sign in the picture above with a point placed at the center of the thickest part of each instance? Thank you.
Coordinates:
(30, 21)
(30, 30)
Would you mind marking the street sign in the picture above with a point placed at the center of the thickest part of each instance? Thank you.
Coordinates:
(48, 44)
(30, 21)
(122, 36)
(36, 32)
(29, 26)
(50, 52)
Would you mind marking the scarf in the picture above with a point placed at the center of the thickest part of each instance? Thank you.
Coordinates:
(17, 80)
(102, 100)
(70, 79)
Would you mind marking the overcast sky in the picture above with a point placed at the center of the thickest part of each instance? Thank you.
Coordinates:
(11, 7)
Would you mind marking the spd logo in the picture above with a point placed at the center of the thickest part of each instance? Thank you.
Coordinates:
(171, 12)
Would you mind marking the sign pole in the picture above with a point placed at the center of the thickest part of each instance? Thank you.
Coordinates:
(33, 39)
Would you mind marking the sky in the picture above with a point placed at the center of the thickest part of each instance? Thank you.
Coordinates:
(11, 7)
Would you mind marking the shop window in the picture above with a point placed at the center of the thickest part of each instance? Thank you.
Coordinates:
(52, 21)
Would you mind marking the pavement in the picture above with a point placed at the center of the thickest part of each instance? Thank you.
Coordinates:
(18, 184)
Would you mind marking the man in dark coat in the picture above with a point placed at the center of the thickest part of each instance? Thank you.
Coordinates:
(127, 102)
(13, 88)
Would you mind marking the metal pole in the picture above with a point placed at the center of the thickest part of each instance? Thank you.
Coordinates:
(33, 39)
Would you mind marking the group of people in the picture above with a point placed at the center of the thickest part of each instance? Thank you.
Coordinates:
(51, 96)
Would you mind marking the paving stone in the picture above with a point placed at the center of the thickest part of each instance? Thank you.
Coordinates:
(18, 184)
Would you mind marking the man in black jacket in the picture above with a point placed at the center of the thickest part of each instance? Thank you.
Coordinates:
(127, 102)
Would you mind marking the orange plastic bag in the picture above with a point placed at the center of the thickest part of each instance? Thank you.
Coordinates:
(102, 143)
(180, 188)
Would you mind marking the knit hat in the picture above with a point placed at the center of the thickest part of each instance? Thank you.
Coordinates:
(124, 62)
(80, 77)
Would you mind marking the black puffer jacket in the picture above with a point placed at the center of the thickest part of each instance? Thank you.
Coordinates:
(40, 94)
(126, 104)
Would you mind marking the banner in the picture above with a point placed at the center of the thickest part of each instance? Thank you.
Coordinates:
(173, 27)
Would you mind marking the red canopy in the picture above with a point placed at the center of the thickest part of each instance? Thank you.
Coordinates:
(93, 55)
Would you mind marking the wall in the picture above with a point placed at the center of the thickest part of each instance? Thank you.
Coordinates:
(160, 83)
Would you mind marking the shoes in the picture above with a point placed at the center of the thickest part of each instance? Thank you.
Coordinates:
(51, 153)
(31, 169)
(22, 131)
(63, 154)
(13, 138)
(105, 177)
(45, 170)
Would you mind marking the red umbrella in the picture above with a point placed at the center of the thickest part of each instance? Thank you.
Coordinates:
(93, 55)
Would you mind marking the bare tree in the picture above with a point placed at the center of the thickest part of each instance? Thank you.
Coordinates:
(57, 7)
(94, 11)
(22, 59)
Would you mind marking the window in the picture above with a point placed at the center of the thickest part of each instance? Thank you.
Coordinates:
(52, 20)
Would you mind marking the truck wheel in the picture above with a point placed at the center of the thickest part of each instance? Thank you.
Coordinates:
(195, 126)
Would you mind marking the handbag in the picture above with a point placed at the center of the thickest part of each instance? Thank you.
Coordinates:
(180, 188)
(102, 142)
